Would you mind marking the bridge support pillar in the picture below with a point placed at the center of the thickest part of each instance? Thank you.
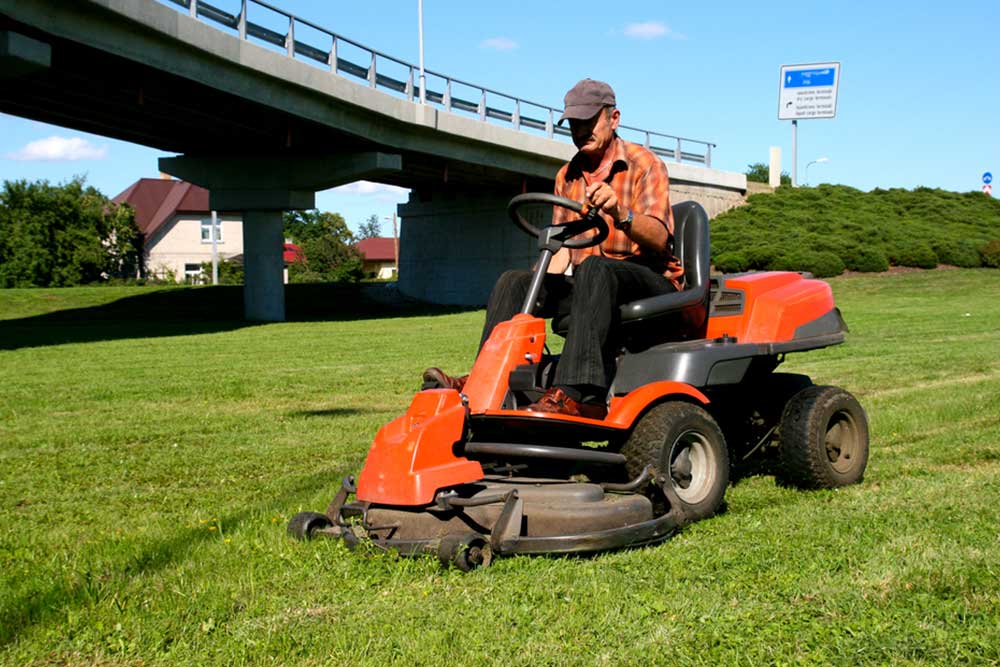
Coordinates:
(454, 245)
(263, 266)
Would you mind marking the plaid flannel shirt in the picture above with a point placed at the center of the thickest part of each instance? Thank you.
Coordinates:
(641, 184)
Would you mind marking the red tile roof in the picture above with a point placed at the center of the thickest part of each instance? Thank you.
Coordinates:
(379, 249)
(157, 200)
(292, 253)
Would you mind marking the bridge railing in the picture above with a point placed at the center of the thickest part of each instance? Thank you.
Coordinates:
(277, 28)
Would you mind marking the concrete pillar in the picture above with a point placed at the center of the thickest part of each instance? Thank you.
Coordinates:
(263, 266)
(774, 168)
(454, 245)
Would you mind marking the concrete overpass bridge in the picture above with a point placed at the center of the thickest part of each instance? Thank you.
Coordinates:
(264, 109)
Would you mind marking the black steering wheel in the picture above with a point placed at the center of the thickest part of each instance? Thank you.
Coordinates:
(592, 220)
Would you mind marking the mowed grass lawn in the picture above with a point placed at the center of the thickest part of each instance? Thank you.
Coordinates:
(149, 464)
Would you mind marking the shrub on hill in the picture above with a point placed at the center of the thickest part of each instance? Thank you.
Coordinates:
(866, 231)
(991, 254)
(867, 260)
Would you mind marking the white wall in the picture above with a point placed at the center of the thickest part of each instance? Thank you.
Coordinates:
(179, 242)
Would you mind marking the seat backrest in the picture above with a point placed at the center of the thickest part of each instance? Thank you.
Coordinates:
(691, 244)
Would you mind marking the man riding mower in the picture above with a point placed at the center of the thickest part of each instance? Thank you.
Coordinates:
(472, 474)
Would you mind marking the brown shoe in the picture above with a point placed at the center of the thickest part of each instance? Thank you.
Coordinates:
(557, 402)
(435, 378)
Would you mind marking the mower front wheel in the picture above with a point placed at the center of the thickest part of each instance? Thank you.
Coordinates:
(468, 551)
(305, 524)
(824, 439)
(683, 441)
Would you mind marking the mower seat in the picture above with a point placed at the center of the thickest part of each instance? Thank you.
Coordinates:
(670, 317)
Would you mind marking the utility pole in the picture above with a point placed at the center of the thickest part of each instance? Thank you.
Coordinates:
(215, 249)
(395, 243)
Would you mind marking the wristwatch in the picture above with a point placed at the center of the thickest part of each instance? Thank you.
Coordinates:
(625, 224)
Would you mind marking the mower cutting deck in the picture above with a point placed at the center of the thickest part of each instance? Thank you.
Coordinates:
(472, 475)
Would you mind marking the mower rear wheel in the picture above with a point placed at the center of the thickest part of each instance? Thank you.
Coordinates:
(683, 441)
(824, 439)
(303, 526)
(468, 551)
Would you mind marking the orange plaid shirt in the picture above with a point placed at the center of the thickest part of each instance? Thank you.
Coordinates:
(641, 184)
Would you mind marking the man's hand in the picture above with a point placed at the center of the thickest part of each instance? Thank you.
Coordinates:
(602, 196)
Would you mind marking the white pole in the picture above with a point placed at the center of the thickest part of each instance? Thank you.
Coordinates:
(215, 250)
(420, 31)
(795, 153)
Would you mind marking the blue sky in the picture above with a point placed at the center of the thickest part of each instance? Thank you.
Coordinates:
(917, 102)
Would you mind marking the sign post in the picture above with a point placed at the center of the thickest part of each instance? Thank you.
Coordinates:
(988, 184)
(807, 92)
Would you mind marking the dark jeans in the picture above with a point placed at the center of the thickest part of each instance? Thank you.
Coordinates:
(593, 294)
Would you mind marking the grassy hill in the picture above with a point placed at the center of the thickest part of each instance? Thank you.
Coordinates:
(830, 228)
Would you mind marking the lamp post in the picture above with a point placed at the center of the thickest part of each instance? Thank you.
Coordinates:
(420, 33)
(819, 160)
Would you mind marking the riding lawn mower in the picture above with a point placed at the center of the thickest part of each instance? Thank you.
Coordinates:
(472, 476)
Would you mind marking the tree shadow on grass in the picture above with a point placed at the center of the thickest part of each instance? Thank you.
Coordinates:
(50, 601)
(154, 313)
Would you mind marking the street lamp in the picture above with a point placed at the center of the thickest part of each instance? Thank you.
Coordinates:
(420, 33)
(819, 160)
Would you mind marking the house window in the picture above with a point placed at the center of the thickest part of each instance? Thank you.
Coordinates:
(206, 230)
(193, 274)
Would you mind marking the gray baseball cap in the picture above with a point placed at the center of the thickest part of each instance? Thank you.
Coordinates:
(586, 98)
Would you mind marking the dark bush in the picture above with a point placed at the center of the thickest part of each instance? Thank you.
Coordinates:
(958, 253)
(760, 257)
(820, 264)
(914, 253)
(868, 260)
(731, 262)
(991, 254)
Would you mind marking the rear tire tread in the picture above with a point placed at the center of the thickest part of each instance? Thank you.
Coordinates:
(804, 462)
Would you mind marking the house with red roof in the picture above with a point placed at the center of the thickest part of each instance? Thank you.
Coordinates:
(176, 226)
(379, 257)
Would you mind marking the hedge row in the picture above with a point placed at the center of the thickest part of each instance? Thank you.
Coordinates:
(830, 228)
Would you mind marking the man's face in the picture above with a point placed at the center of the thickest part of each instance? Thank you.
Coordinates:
(593, 136)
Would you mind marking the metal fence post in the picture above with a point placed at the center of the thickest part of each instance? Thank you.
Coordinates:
(193, 8)
(549, 127)
(677, 150)
(409, 87)
(516, 116)
(708, 155)
(332, 58)
(447, 95)
(371, 72)
(243, 20)
(647, 141)
(290, 37)
(482, 106)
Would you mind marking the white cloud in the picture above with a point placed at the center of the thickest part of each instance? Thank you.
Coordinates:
(378, 191)
(60, 149)
(651, 30)
(498, 44)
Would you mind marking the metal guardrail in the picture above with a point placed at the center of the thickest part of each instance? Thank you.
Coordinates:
(523, 114)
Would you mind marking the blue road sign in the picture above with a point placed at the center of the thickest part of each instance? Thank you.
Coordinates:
(987, 178)
(807, 78)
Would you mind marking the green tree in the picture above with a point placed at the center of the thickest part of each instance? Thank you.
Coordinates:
(371, 228)
(67, 234)
(328, 247)
(760, 173)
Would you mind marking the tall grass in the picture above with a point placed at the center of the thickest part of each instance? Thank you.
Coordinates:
(149, 461)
